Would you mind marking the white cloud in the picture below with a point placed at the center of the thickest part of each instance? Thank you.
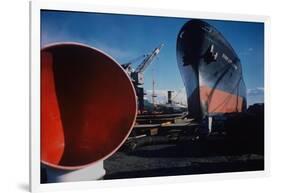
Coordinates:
(247, 51)
(255, 95)
(255, 91)
(250, 49)
(162, 96)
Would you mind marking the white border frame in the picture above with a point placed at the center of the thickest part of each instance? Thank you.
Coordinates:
(37, 5)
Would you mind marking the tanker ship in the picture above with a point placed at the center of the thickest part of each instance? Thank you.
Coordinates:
(211, 71)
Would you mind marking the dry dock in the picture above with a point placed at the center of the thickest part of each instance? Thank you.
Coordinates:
(163, 150)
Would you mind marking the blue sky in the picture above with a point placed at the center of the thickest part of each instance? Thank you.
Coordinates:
(128, 37)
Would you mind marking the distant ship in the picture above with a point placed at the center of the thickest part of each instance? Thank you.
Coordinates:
(211, 71)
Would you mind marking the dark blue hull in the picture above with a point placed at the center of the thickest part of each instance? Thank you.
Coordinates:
(211, 71)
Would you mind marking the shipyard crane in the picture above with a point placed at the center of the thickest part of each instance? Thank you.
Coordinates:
(148, 59)
(137, 75)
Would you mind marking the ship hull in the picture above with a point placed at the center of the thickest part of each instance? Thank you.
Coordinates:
(211, 71)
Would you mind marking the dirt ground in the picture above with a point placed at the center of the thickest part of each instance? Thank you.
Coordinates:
(200, 157)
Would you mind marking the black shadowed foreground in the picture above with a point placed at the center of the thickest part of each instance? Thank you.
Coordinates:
(240, 147)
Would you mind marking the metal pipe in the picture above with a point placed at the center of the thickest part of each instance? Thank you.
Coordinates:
(88, 106)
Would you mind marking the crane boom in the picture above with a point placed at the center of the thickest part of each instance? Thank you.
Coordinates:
(145, 63)
(137, 76)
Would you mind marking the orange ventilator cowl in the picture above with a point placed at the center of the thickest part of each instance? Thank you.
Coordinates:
(88, 105)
